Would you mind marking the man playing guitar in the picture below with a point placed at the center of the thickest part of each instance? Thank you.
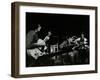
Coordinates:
(34, 45)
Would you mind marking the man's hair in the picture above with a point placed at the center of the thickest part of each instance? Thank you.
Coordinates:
(35, 26)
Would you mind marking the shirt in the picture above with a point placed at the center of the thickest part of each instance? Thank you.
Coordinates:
(31, 38)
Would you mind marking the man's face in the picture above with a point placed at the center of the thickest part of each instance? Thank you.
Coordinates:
(82, 35)
(39, 28)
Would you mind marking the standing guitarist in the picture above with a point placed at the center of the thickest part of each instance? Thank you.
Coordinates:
(31, 43)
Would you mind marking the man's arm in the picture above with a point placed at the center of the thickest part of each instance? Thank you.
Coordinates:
(37, 44)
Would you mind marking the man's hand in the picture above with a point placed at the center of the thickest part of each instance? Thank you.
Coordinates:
(41, 42)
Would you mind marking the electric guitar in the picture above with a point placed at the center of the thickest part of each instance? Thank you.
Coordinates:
(40, 51)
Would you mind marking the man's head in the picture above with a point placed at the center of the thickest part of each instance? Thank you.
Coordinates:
(74, 38)
(82, 35)
(37, 28)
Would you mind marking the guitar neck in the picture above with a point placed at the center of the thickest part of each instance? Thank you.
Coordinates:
(46, 38)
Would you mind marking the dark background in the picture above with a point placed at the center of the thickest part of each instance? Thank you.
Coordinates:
(59, 24)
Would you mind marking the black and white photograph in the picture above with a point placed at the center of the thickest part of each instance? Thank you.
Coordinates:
(51, 39)
(56, 39)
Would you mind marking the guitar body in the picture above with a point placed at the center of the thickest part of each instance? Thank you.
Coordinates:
(42, 41)
(36, 52)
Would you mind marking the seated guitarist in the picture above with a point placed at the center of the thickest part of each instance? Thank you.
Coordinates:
(81, 42)
(70, 54)
(83, 49)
